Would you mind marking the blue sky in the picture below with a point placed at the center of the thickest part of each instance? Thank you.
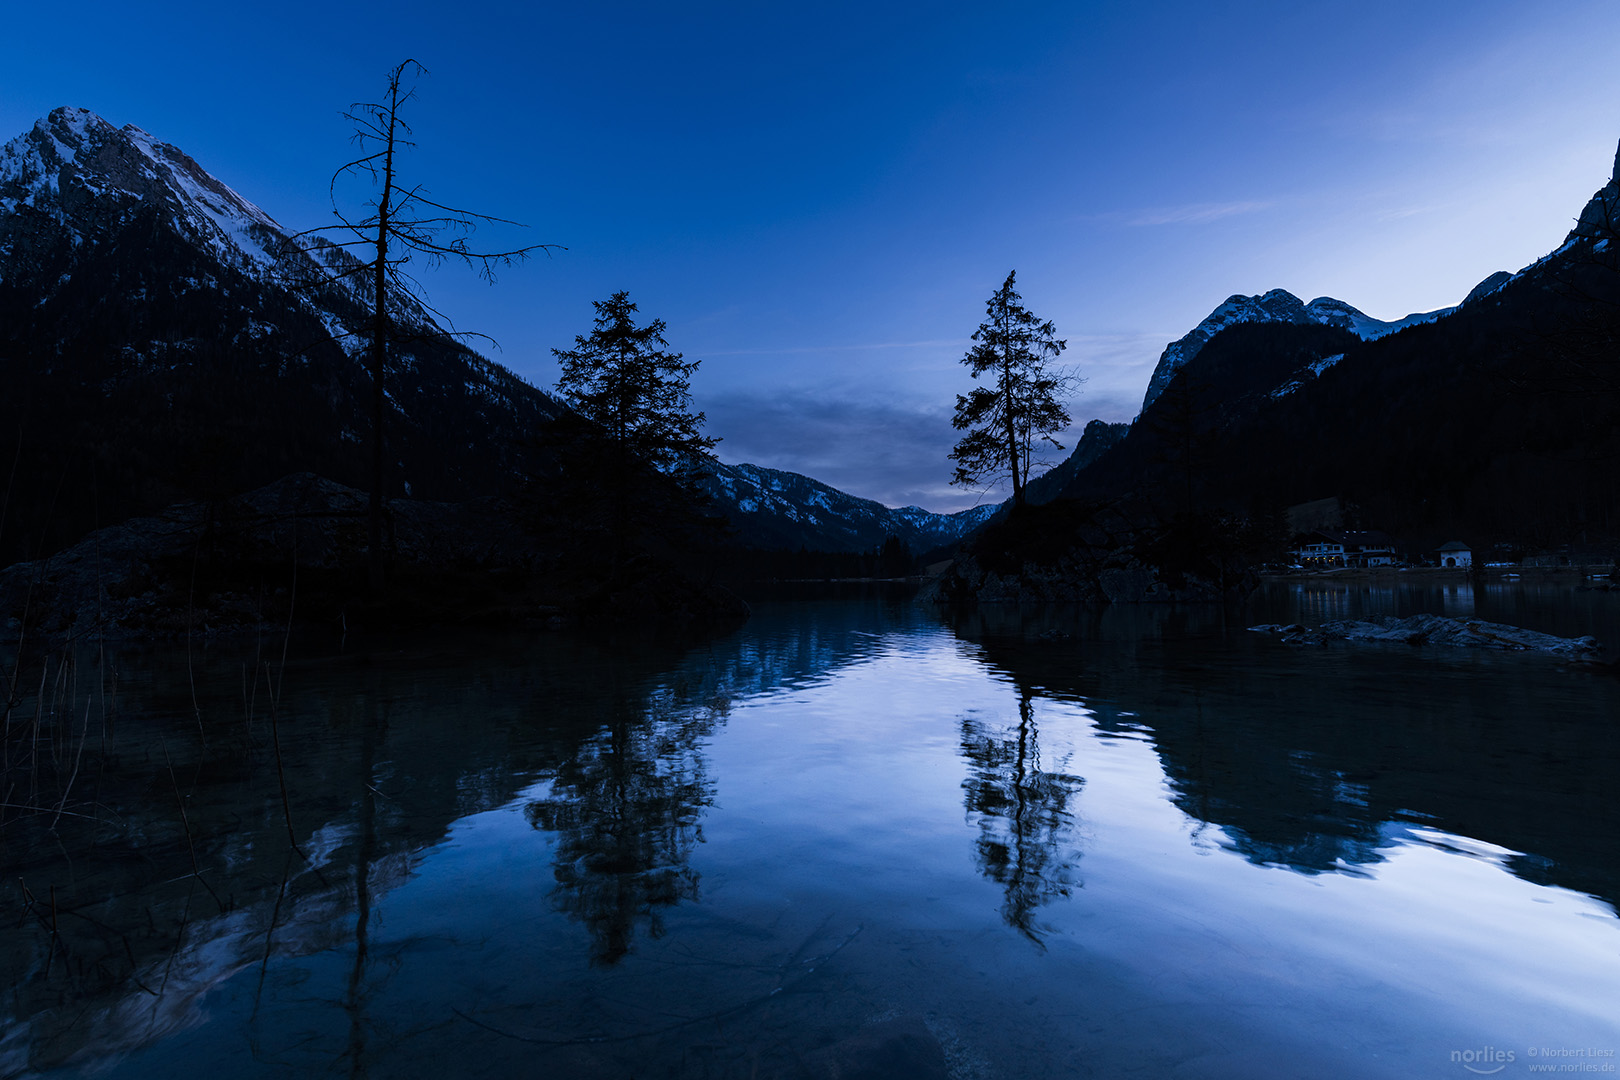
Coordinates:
(819, 199)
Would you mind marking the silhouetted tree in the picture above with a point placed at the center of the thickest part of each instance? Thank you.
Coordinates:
(894, 558)
(401, 223)
(1023, 406)
(635, 395)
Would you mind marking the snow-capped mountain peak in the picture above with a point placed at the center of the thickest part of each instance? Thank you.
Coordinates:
(76, 177)
(1331, 312)
(131, 279)
(1278, 305)
(78, 169)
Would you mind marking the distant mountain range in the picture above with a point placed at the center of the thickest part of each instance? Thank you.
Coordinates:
(162, 339)
(780, 510)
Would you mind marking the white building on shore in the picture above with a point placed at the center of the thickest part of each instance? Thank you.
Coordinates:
(1455, 554)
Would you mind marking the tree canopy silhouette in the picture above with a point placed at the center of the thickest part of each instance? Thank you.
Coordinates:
(1023, 405)
(643, 440)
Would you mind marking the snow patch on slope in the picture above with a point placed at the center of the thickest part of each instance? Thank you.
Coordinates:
(829, 519)
(1315, 367)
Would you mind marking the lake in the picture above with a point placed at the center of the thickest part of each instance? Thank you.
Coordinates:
(851, 838)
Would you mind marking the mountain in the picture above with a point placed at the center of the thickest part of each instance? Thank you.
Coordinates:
(1097, 439)
(776, 510)
(1276, 306)
(161, 339)
(1487, 287)
(1494, 421)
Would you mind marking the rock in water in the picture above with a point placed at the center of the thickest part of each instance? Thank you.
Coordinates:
(1437, 630)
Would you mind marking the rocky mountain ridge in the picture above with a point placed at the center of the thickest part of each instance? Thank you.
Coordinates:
(162, 339)
(75, 176)
(1597, 221)
(1276, 306)
(774, 509)
(1491, 421)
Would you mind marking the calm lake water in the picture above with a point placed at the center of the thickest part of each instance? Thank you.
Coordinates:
(851, 838)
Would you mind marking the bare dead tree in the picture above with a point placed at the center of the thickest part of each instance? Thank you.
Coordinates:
(400, 223)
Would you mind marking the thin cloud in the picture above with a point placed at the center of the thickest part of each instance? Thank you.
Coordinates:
(801, 350)
(1195, 213)
(1401, 213)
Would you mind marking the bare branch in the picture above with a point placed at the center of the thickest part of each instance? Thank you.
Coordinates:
(368, 256)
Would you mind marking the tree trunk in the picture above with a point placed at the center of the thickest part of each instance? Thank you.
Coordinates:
(1012, 430)
(379, 361)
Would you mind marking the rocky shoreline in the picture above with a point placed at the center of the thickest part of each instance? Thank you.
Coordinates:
(1075, 552)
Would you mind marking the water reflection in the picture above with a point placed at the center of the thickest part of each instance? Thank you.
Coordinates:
(1321, 603)
(1320, 760)
(1022, 812)
(1560, 608)
(355, 998)
(516, 829)
(123, 913)
(1459, 600)
(170, 861)
(627, 810)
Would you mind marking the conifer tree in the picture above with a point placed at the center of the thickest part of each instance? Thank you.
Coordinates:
(635, 396)
(1021, 407)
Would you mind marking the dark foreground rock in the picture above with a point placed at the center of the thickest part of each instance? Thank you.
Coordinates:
(969, 579)
(295, 550)
(1073, 552)
(1075, 577)
(1437, 630)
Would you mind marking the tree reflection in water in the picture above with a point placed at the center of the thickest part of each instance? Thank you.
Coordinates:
(355, 1000)
(1022, 813)
(627, 809)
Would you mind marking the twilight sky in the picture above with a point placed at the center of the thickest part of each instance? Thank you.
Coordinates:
(818, 199)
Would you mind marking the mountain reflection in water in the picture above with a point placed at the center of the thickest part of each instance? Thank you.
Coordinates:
(1011, 842)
